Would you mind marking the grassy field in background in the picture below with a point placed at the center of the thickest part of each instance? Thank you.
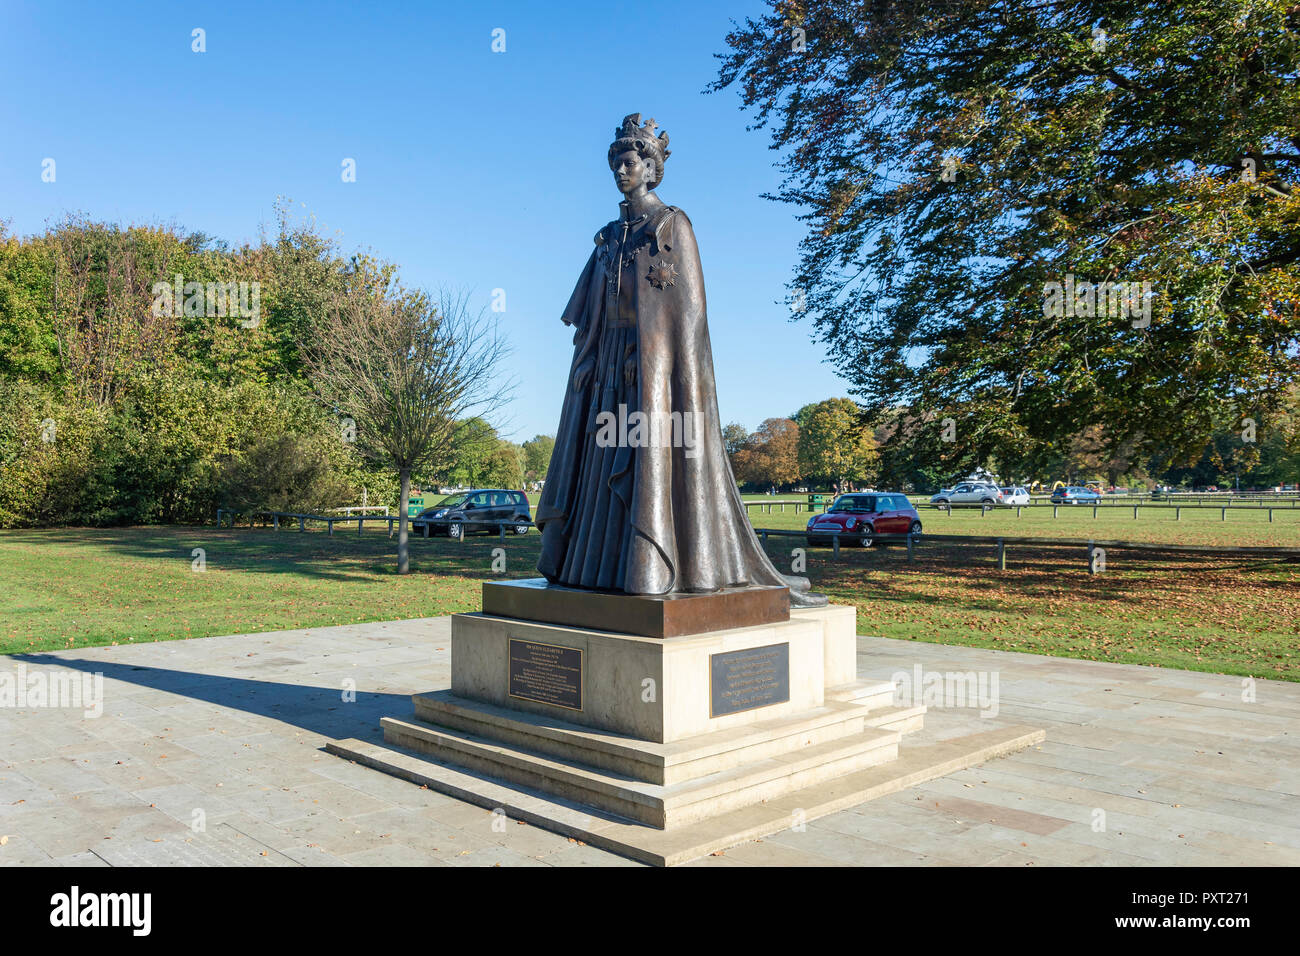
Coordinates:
(1241, 527)
(70, 588)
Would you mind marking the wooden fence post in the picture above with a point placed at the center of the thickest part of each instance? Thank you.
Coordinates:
(1002, 555)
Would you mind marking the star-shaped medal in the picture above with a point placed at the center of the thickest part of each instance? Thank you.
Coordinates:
(662, 274)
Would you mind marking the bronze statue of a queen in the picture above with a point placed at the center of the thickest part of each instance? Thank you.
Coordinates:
(640, 497)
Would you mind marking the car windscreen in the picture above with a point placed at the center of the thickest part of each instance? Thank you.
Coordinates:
(864, 503)
(452, 501)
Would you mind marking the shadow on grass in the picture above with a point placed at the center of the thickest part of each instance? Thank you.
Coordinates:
(320, 710)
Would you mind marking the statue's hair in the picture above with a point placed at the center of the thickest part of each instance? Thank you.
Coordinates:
(642, 139)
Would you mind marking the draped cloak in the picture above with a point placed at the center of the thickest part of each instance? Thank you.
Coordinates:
(657, 518)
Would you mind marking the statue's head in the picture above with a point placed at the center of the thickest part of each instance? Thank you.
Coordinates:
(637, 155)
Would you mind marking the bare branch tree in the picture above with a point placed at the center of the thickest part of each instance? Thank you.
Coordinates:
(405, 368)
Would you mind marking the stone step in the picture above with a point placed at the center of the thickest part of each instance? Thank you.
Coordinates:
(642, 760)
(653, 804)
(905, 720)
(915, 765)
(865, 693)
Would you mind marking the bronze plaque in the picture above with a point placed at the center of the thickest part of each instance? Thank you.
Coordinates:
(743, 680)
(546, 673)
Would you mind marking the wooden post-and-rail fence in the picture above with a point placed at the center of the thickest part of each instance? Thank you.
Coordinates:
(1094, 550)
(275, 517)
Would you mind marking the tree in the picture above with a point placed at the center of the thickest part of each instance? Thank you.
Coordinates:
(771, 454)
(734, 438)
(473, 454)
(1279, 445)
(505, 466)
(899, 467)
(285, 472)
(835, 446)
(537, 456)
(405, 369)
(104, 323)
(801, 417)
(969, 174)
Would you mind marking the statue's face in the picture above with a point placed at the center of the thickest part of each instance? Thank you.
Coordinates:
(632, 170)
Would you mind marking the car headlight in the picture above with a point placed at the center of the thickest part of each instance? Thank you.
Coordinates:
(850, 524)
(440, 513)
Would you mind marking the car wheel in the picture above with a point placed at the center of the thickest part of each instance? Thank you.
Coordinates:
(521, 529)
(455, 530)
(915, 528)
(942, 504)
(867, 538)
(987, 501)
(816, 542)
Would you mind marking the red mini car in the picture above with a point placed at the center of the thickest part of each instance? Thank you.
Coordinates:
(860, 517)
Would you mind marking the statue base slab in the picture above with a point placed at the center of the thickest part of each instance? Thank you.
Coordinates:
(647, 615)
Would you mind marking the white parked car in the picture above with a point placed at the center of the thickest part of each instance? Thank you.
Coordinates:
(969, 493)
(1015, 495)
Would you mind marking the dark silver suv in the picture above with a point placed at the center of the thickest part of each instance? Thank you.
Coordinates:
(481, 510)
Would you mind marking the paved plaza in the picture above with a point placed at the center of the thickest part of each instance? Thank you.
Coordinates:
(210, 752)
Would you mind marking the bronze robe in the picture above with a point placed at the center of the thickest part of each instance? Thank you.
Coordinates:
(645, 520)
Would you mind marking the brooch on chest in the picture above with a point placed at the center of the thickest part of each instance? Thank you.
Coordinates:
(662, 274)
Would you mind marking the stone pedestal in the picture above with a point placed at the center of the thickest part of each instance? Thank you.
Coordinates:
(661, 730)
(708, 737)
(655, 689)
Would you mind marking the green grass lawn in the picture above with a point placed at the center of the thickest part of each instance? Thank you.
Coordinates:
(80, 587)
(1240, 527)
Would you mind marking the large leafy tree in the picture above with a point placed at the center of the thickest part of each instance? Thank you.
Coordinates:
(833, 444)
(537, 456)
(734, 438)
(770, 456)
(953, 159)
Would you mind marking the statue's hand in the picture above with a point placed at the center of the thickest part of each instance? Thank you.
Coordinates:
(582, 374)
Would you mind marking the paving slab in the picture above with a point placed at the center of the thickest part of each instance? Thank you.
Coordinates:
(1188, 772)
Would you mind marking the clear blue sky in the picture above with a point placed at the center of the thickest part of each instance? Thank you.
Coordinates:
(475, 169)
